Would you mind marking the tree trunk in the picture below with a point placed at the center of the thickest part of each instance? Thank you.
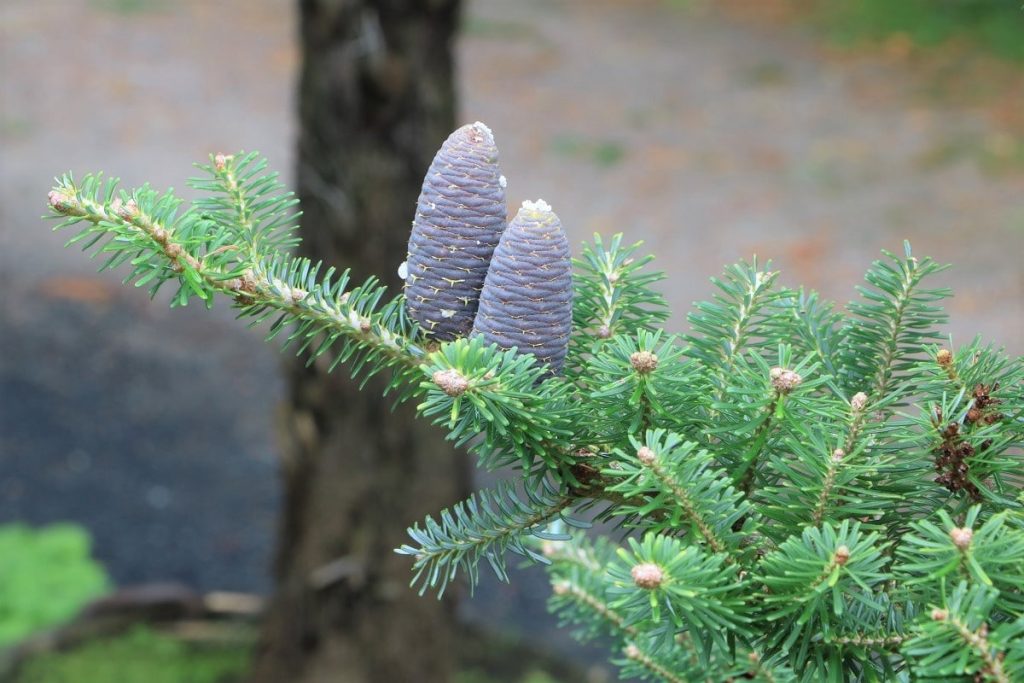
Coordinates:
(376, 100)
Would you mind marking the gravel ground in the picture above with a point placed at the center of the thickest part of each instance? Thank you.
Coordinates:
(710, 139)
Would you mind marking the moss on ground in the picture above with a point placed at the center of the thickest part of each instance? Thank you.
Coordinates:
(139, 655)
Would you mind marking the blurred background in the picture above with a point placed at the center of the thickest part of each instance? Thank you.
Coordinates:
(143, 450)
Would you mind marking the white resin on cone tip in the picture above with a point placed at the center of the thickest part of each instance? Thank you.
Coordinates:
(539, 206)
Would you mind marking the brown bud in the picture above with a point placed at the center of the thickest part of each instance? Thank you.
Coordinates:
(249, 282)
(644, 362)
(173, 250)
(961, 537)
(633, 652)
(561, 588)
(944, 357)
(939, 614)
(451, 382)
(128, 210)
(842, 555)
(647, 575)
(604, 332)
(646, 456)
(59, 200)
(785, 381)
(859, 401)
(220, 162)
(838, 454)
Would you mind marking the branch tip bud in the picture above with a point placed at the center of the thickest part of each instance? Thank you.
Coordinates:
(644, 362)
(944, 357)
(784, 380)
(646, 456)
(63, 201)
(859, 401)
(939, 614)
(647, 575)
(842, 555)
(961, 537)
(451, 382)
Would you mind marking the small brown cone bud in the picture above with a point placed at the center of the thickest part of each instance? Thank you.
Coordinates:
(838, 454)
(644, 362)
(128, 210)
(66, 202)
(647, 575)
(59, 200)
(633, 652)
(939, 614)
(646, 456)
(859, 401)
(451, 382)
(785, 381)
(842, 555)
(961, 537)
(944, 357)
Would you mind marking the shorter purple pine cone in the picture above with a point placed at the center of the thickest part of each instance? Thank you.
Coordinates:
(460, 216)
(527, 297)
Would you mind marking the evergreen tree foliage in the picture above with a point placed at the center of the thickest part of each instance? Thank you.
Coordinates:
(799, 491)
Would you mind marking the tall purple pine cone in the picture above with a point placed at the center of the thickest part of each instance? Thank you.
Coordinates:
(459, 219)
(527, 297)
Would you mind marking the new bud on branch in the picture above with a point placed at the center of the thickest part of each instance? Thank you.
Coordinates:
(527, 297)
(460, 217)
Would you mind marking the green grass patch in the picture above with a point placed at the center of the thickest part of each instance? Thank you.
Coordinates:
(46, 576)
(141, 655)
(996, 26)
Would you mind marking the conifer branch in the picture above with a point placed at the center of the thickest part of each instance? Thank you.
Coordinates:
(143, 224)
(612, 295)
(581, 596)
(893, 325)
(736, 318)
(839, 458)
(483, 526)
(644, 659)
(978, 641)
(760, 505)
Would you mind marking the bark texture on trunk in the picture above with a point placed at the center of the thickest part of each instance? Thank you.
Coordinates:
(376, 99)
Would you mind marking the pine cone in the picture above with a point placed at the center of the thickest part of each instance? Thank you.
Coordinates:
(459, 219)
(527, 297)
